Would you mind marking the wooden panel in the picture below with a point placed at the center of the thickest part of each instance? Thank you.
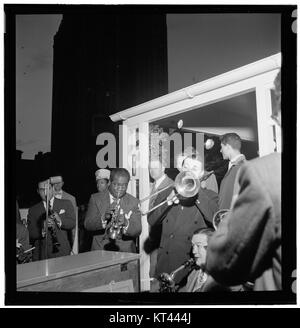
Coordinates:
(78, 272)
(125, 286)
(90, 279)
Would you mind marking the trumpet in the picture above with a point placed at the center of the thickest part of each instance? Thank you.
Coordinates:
(167, 281)
(186, 185)
(218, 217)
(115, 229)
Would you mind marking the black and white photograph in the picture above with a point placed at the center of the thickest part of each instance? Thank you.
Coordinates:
(149, 155)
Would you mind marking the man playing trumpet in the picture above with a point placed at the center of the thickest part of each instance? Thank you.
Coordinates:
(114, 216)
(180, 217)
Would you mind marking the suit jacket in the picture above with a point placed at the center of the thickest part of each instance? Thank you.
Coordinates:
(179, 222)
(98, 204)
(69, 197)
(208, 285)
(155, 230)
(22, 235)
(247, 244)
(36, 217)
(72, 199)
(228, 185)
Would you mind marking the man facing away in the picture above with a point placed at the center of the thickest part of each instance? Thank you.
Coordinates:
(114, 201)
(231, 150)
(247, 243)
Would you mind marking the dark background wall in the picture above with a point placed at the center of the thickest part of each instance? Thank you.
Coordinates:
(107, 62)
(201, 46)
(103, 63)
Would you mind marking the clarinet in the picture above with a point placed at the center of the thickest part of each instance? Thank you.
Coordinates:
(53, 232)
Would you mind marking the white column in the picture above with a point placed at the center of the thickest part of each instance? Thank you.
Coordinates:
(264, 112)
(127, 149)
(144, 189)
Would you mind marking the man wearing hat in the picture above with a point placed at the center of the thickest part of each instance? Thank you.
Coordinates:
(102, 179)
(59, 193)
(61, 218)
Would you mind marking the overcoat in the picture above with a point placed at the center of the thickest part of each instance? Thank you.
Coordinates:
(247, 244)
(179, 222)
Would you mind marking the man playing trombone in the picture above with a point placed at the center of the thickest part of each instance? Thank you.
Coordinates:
(181, 216)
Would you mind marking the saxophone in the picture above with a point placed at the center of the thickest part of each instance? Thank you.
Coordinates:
(167, 281)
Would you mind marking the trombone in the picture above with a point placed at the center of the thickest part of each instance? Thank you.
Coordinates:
(186, 185)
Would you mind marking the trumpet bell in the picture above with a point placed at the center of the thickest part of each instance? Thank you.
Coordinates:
(187, 184)
(218, 217)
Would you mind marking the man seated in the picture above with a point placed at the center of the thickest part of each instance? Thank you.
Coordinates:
(198, 280)
(56, 223)
(114, 216)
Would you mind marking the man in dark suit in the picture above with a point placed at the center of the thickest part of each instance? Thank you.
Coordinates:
(231, 150)
(180, 218)
(62, 218)
(247, 244)
(161, 181)
(99, 213)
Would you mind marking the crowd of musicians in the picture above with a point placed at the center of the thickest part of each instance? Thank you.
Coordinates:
(188, 251)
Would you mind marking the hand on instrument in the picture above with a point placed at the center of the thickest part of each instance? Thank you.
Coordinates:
(108, 215)
(18, 245)
(51, 222)
(54, 219)
(172, 198)
(121, 217)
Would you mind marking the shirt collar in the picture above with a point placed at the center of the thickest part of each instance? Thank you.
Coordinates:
(50, 203)
(111, 198)
(237, 159)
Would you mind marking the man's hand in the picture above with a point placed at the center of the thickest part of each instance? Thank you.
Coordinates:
(172, 198)
(19, 245)
(54, 219)
(121, 217)
(108, 215)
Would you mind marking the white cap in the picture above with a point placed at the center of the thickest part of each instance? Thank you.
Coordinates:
(102, 174)
(56, 179)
